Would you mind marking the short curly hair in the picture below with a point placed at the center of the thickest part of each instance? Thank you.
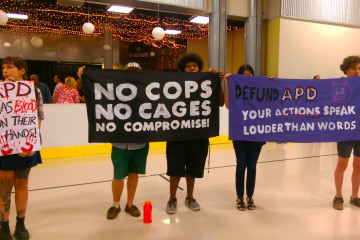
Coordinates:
(189, 57)
(349, 62)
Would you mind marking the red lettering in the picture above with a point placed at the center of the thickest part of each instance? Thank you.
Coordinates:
(23, 106)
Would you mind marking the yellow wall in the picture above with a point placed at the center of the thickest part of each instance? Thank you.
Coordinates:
(272, 35)
(235, 50)
(199, 46)
(235, 55)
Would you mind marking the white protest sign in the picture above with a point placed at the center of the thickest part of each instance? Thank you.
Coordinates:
(19, 131)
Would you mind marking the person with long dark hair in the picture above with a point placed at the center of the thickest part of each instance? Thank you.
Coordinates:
(247, 154)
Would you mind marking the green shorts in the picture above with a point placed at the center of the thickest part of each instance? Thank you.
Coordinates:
(125, 161)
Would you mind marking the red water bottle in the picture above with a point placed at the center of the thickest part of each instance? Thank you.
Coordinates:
(147, 212)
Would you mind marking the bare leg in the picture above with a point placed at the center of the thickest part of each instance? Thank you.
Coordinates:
(131, 187)
(355, 178)
(117, 188)
(6, 184)
(21, 183)
(190, 183)
(174, 183)
(339, 174)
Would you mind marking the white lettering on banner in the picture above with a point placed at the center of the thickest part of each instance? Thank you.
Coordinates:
(179, 109)
(340, 110)
(100, 91)
(261, 113)
(340, 125)
(194, 108)
(175, 85)
(205, 86)
(161, 110)
(148, 91)
(121, 88)
(122, 111)
(117, 111)
(206, 106)
(110, 127)
(166, 126)
(311, 94)
(190, 86)
(142, 113)
(106, 113)
(298, 127)
(301, 111)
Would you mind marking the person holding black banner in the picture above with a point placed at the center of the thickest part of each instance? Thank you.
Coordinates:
(351, 68)
(247, 154)
(129, 160)
(15, 169)
(187, 158)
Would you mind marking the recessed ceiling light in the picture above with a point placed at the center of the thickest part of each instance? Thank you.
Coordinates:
(17, 16)
(120, 9)
(200, 19)
(172, 32)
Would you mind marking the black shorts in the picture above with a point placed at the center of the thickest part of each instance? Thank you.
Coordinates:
(186, 157)
(345, 148)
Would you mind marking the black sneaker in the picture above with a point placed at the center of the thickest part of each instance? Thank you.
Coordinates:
(133, 211)
(113, 212)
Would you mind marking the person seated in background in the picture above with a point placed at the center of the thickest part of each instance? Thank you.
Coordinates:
(67, 92)
(45, 91)
(57, 81)
(316, 77)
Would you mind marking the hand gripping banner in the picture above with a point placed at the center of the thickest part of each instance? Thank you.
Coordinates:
(125, 106)
(291, 110)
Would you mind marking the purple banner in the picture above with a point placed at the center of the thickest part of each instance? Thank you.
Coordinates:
(293, 110)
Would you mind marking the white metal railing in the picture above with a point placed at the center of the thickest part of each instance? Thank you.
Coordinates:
(344, 12)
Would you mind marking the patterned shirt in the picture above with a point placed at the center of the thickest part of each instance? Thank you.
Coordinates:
(65, 95)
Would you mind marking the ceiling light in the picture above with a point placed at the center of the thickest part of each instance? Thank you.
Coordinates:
(120, 9)
(200, 19)
(17, 16)
(172, 32)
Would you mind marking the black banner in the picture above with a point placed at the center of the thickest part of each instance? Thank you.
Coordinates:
(125, 106)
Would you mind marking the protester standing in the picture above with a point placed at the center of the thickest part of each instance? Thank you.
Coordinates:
(247, 154)
(15, 169)
(351, 68)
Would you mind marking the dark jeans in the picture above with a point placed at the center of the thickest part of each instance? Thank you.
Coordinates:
(247, 154)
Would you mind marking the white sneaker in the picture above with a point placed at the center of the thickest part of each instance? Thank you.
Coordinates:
(171, 207)
(192, 204)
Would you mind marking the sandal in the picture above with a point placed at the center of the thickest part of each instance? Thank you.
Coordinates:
(240, 205)
(250, 204)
